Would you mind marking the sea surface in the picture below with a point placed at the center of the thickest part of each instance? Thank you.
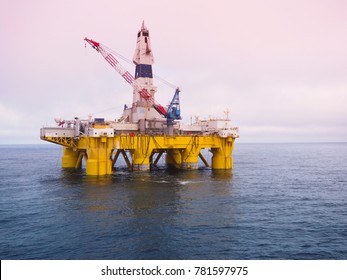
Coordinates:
(281, 201)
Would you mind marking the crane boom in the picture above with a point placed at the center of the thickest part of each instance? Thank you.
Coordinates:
(112, 61)
(126, 75)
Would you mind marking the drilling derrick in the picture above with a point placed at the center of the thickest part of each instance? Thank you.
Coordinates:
(143, 59)
(145, 131)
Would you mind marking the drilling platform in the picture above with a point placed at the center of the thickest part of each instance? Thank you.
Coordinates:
(145, 131)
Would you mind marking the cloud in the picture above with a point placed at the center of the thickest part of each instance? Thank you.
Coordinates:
(276, 65)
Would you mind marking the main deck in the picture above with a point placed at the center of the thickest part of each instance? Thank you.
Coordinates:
(140, 151)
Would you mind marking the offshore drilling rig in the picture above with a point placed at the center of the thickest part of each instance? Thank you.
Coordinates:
(145, 131)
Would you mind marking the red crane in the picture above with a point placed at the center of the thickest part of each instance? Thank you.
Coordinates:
(126, 75)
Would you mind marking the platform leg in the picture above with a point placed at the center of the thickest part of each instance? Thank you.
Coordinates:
(71, 158)
(173, 158)
(99, 160)
(140, 162)
(222, 158)
(141, 153)
(190, 158)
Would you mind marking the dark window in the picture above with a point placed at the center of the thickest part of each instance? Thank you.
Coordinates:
(146, 40)
(138, 34)
(145, 33)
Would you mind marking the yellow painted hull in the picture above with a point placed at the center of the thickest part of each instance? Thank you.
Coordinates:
(182, 151)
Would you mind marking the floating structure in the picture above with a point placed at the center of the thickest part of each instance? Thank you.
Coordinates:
(145, 131)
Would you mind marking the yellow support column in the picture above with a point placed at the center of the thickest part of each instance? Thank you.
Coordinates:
(190, 158)
(222, 156)
(71, 158)
(140, 162)
(141, 154)
(99, 160)
(173, 158)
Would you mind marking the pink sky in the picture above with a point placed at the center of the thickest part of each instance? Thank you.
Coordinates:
(280, 67)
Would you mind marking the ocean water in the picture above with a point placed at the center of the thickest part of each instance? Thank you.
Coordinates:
(281, 201)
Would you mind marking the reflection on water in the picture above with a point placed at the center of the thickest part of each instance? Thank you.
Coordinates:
(147, 190)
(151, 210)
(222, 175)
